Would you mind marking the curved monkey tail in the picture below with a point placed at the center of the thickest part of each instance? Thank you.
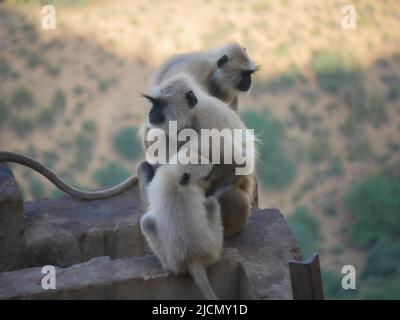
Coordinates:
(61, 184)
(199, 275)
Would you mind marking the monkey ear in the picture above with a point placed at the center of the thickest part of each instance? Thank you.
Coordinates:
(191, 99)
(222, 61)
(151, 99)
(185, 179)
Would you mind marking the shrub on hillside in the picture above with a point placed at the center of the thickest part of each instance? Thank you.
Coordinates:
(111, 174)
(305, 229)
(335, 71)
(375, 205)
(21, 98)
(127, 144)
(275, 167)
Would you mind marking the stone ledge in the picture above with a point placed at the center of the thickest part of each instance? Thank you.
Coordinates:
(129, 278)
(65, 231)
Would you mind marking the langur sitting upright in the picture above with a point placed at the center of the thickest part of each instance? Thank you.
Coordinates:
(181, 99)
(181, 226)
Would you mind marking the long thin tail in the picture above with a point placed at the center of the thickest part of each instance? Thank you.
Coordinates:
(61, 184)
(199, 275)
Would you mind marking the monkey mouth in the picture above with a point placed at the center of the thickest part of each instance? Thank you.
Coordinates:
(244, 84)
(156, 118)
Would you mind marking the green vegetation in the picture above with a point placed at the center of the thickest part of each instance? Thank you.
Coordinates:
(275, 168)
(393, 82)
(382, 260)
(335, 71)
(103, 85)
(78, 90)
(365, 108)
(300, 117)
(359, 149)
(381, 272)
(111, 174)
(46, 117)
(332, 283)
(59, 101)
(21, 98)
(375, 204)
(3, 113)
(22, 126)
(50, 69)
(50, 158)
(89, 126)
(320, 147)
(5, 69)
(79, 108)
(306, 230)
(286, 80)
(84, 148)
(335, 167)
(127, 144)
(34, 60)
(36, 188)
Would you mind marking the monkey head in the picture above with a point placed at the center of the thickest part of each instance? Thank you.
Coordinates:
(172, 100)
(234, 68)
(183, 175)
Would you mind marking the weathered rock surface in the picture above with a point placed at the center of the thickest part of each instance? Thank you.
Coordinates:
(129, 278)
(65, 232)
(11, 220)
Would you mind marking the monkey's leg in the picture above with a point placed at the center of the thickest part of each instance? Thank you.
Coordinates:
(213, 209)
(145, 175)
(235, 209)
(149, 229)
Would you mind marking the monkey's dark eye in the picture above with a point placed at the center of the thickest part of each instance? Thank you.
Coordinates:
(222, 61)
(191, 99)
(185, 179)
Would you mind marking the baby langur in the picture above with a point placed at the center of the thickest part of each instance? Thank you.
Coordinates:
(222, 72)
(181, 99)
(181, 226)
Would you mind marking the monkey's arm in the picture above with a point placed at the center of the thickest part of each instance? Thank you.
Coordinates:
(149, 229)
(61, 184)
(145, 175)
(213, 210)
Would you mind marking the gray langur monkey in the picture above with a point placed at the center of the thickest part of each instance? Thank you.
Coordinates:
(181, 99)
(181, 226)
(222, 72)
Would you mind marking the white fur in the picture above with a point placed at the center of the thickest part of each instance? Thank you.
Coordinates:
(186, 236)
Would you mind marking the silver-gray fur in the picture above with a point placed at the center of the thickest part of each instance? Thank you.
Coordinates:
(219, 76)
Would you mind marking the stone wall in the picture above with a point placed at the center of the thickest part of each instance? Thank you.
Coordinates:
(101, 254)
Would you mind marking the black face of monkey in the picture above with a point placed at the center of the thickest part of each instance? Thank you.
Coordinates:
(185, 179)
(156, 115)
(158, 111)
(245, 80)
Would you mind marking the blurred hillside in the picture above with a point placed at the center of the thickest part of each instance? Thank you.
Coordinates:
(326, 105)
